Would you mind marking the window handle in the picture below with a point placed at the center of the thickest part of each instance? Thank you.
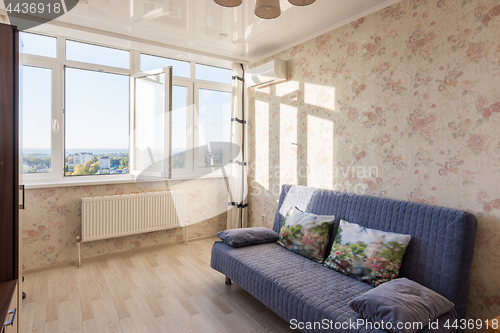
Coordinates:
(23, 204)
(56, 125)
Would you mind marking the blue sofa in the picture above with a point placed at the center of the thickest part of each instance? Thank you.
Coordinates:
(439, 257)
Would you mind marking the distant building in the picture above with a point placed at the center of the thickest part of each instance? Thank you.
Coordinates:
(81, 158)
(104, 163)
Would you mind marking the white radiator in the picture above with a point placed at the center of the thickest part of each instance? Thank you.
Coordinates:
(121, 215)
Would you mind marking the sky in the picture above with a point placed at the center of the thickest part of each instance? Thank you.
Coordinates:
(97, 109)
(95, 54)
(214, 107)
(36, 105)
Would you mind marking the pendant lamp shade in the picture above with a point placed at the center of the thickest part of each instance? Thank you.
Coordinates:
(228, 3)
(301, 2)
(267, 9)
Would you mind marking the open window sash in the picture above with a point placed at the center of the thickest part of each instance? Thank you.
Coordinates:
(151, 126)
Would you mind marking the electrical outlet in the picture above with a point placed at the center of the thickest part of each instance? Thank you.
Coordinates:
(263, 218)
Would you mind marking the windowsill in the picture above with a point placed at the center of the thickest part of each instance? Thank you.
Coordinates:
(67, 182)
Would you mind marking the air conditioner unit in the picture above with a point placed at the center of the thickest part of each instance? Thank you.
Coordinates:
(267, 74)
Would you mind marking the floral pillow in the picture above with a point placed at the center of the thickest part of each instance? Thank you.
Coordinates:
(305, 233)
(369, 255)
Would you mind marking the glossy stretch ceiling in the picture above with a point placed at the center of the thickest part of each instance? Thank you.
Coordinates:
(202, 25)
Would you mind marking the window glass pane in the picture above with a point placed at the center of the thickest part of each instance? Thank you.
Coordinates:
(214, 127)
(39, 45)
(37, 118)
(179, 127)
(98, 55)
(150, 123)
(214, 74)
(149, 62)
(97, 123)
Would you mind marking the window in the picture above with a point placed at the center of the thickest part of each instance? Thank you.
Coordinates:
(179, 127)
(149, 62)
(149, 125)
(39, 45)
(214, 127)
(214, 74)
(37, 117)
(98, 55)
(97, 123)
(78, 119)
(151, 144)
(201, 120)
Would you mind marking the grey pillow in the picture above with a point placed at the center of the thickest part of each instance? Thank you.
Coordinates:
(248, 236)
(401, 301)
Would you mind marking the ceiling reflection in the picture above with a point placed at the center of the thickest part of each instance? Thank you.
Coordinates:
(202, 25)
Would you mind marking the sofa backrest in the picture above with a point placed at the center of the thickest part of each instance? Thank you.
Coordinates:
(440, 252)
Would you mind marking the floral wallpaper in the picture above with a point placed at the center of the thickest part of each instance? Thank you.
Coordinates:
(403, 103)
(52, 220)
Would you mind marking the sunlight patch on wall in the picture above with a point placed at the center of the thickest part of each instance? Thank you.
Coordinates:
(262, 145)
(320, 152)
(286, 88)
(265, 90)
(288, 144)
(317, 95)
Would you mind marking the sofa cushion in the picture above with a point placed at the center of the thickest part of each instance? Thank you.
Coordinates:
(369, 255)
(295, 287)
(305, 233)
(248, 236)
(401, 302)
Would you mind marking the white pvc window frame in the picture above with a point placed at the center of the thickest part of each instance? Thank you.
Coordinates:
(56, 177)
(57, 120)
(167, 111)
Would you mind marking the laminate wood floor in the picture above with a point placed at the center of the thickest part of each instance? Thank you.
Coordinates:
(172, 289)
